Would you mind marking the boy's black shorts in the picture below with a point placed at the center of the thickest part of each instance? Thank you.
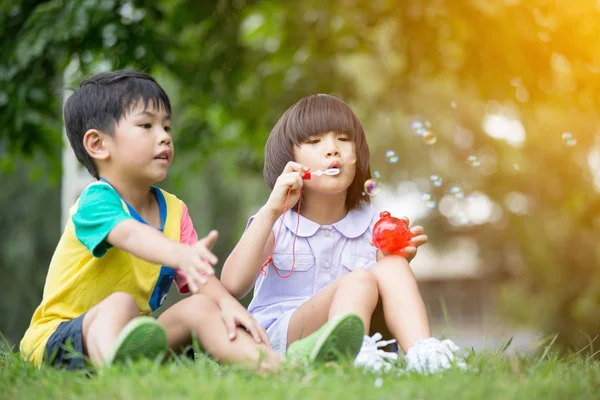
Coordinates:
(64, 348)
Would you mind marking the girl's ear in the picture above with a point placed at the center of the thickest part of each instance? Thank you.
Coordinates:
(93, 142)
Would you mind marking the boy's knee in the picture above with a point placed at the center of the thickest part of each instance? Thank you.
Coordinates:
(201, 304)
(122, 301)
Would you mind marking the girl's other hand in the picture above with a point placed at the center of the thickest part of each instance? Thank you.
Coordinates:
(290, 179)
(410, 251)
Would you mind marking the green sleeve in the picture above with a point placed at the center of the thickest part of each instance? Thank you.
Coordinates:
(99, 210)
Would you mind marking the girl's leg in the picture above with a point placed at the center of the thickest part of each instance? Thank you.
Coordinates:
(103, 323)
(355, 292)
(403, 307)
(200, 315)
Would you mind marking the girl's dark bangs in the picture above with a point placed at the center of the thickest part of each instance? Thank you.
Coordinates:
(321, 114)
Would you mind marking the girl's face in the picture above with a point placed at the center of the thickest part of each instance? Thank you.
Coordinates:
(324, 151)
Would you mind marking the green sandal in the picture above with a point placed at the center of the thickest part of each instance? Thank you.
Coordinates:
(338, 339)
(142, 337)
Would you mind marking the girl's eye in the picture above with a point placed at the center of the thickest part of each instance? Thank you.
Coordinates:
(167, 129)
(146, 126)
(344, 139)
(312, 141)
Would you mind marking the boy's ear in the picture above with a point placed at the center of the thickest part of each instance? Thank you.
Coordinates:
(93, 142)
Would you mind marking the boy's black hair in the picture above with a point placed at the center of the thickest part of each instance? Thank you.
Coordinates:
(102, 100)
(313, 115)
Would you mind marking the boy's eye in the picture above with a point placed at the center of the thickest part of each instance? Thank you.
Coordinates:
(167, 129)
(146, 126)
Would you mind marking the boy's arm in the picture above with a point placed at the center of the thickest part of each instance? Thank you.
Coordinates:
(243, 264)
(101, 222)
(147, 243)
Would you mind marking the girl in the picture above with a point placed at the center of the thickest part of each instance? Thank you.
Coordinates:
(315, 236)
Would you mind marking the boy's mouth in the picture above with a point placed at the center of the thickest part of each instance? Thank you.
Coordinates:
(165, 155)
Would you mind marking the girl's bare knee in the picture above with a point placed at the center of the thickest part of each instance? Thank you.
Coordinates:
(363, 278)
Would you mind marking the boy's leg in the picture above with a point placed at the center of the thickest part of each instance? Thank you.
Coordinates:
(355, 292)
(200, 315)
(403, 307)
(103, 323)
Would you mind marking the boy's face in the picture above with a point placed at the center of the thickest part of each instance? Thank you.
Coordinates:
(141, 147)
(324, 151)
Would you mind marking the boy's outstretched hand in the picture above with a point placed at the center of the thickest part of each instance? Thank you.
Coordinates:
(197, 260)
(234, 315)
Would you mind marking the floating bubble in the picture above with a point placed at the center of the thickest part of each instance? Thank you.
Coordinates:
(429, 200)
(378, 382)
(436, 180)
(391, 156)
(568, 139)
(429, 137)
(457, 192)
(417, 125)
(453, 104)
(473, 161)
(376, 174)
(371, 187)
(516, 166)
(420, 131)
(427, 124)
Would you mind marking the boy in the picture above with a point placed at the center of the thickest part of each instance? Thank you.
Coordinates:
(127, 240)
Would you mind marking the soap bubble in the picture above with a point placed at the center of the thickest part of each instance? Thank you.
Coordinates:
(436, 180)
(429, 200)
(391, 156)
(429, 137)
(568, 139)
(376, 174)
(371, 187)
(473, 161)
(457, 192)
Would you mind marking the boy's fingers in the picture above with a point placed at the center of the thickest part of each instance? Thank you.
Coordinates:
(207, 255)
(263, 335)
(231, 327)
(253, 328)
(192, 286)
(211, 238)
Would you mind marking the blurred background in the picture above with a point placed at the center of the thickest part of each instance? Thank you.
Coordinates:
(481, 115)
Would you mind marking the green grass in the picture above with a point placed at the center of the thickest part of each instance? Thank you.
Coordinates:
(490, 376)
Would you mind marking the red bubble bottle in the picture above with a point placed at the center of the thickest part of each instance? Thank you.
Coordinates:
(391, 234)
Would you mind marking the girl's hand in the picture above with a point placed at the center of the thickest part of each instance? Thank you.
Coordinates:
(290, 178)
(419, 239)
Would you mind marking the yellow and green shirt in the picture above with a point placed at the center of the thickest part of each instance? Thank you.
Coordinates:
(85, 269)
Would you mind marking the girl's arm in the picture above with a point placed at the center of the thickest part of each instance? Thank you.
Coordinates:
(243, 264)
